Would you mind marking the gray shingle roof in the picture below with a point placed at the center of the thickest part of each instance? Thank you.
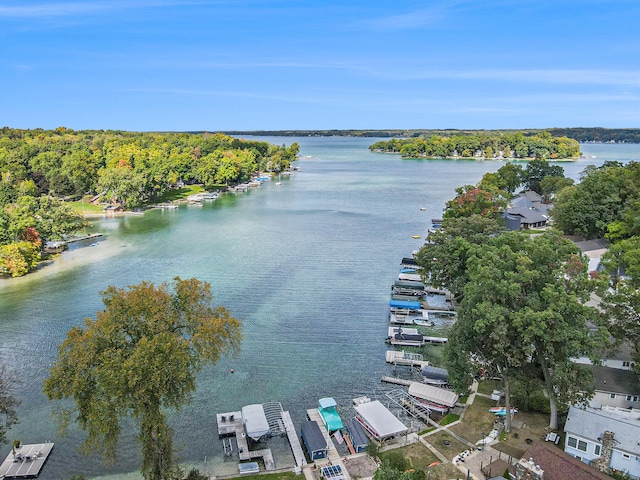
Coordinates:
(591, 423)
(615, 380)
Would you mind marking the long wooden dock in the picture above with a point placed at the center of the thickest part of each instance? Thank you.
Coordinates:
(26, 462)
(397, 381)
(296, 448)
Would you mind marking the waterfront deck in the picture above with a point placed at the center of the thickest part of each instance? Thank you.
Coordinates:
(26, 462)
(296, 448)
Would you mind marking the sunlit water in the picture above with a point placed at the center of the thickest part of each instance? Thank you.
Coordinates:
(307, 265)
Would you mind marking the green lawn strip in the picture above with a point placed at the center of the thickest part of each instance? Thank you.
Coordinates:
(488, 386)
(179, 193)
(477, 420)
(450, 418)
(272, 476)
(85, 207)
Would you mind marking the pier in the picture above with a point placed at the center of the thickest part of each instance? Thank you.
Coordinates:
(84, 237)
(230, 424)
(296, 448)
(405, 359)
(26, 461)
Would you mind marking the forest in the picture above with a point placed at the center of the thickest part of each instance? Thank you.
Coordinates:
(581, 134)
(487, 146)
(42, 170)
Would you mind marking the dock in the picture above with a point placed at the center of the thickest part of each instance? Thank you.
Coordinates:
(296, 448)
(84, 237)
(405, 359)
(230, 424)
(26, 462)
(396, 381)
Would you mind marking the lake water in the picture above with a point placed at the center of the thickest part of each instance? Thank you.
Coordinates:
(307, 265)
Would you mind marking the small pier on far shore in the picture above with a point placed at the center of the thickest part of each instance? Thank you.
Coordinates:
(26, 461)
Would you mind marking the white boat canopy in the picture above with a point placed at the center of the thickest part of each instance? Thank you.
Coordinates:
(255, 421)
(433, 394)
(379, 421)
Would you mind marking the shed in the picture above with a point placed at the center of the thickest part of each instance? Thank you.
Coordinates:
(359, 439)
(314, 440)
(378, 421)
(255, 421)
(433, 394)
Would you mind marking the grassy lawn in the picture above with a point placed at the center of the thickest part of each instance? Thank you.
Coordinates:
(452, 417)
(417, 454)
(477, 420)
(488, 386)
(180, 193)
(272, 476)
(446, 444)
(85, 207)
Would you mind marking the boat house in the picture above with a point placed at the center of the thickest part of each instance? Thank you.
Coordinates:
(378, 421)
(314, 440)
(358, 438)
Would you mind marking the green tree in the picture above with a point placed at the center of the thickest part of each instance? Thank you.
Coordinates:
(472, 200)
(444, 256)
(138, 358)
(524, 303)
(537, 170)
(8, 403)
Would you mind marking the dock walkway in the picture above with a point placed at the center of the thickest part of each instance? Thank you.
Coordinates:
(296, 448)
(230, 424)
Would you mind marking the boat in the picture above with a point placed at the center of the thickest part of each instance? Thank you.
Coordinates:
(415, 236)
(329, 414)
(400, 319)
(423, 322)
(278, 183)
(209, 195)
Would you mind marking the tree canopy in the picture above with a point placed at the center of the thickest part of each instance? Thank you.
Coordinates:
(138, 358)
(483, 145)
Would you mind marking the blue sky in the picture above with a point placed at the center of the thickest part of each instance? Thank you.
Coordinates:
(268, 65)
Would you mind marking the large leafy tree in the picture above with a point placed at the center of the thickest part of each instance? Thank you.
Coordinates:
(444, 257)
(537, 170)
(138, 358)
(524, 303)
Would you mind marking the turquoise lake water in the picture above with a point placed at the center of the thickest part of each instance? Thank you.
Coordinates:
(307, 265)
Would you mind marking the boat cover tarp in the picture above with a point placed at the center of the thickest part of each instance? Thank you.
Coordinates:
(382, 423)
(408, 284)
(314, 440)
(433, 394)
(435, 373)
(359, 439)
(255, 421)
(404, 304)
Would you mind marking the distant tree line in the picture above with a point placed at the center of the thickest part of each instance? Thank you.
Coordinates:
(39, 169)
(502, 145)
(581, 134)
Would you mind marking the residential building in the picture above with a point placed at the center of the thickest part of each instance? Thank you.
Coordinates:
(616, 387)
(604, 439)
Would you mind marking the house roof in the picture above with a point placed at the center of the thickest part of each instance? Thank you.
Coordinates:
(590, 245)
(528, 215)
(615, 380)
(591, 423)
(558, 465)
(531, 196)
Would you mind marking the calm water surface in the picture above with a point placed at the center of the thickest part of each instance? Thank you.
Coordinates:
(306, 265)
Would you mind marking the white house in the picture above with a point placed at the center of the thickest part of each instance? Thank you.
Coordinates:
(604, 439)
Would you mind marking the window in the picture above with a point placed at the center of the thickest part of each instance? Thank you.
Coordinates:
(597, 450)
(635, 398)
(626, 364)
(582, 445)
(625, 456)
(572, 442)
(613, 395)
(629, 397)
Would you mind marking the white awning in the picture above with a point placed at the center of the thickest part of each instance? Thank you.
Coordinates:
(433, 394)
(379, 421)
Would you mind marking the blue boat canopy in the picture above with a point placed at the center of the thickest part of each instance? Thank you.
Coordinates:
(327, 402)
(404, 304)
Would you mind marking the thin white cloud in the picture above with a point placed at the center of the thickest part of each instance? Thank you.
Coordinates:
(75, 9)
